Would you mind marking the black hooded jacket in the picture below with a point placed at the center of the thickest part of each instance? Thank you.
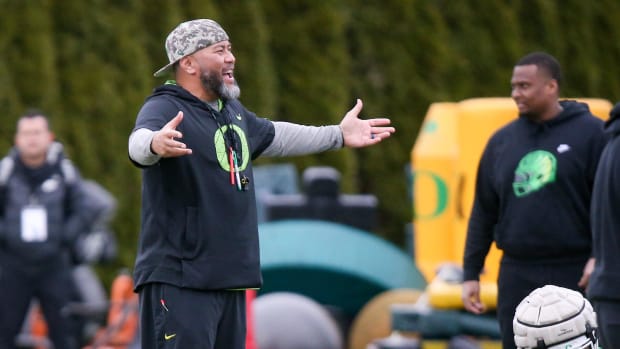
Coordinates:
(199, 230)
(533, 189)
(605, 279)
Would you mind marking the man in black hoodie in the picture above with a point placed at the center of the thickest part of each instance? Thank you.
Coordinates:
(604, 287)
(198, 248)
(533, 192)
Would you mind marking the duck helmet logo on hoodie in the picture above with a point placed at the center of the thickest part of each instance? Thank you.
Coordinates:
(535, 170)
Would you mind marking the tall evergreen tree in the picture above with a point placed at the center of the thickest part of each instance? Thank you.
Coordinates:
(311, 62)
(32, 41)
(579, 61)
(399, 62)
(10, 104)
(246, 24)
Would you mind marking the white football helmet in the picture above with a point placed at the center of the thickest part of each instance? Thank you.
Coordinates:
(555, 317)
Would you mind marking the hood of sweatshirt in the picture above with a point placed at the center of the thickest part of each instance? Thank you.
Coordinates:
(612, 126)
(570, 110)
(172, 89)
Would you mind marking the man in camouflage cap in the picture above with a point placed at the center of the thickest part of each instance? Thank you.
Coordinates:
(189, 37)
(198, 248)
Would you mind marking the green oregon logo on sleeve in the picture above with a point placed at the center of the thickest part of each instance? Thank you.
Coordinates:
(536, 169)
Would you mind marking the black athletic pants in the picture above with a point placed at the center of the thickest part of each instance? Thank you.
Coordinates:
(518, 278)
(181, 318)
(52, 286)
(608, 317)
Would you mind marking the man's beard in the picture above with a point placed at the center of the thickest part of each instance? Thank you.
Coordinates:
(214, 83)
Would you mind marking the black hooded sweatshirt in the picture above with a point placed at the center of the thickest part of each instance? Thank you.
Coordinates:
(199, 230)
(533, 189)
(605, 279)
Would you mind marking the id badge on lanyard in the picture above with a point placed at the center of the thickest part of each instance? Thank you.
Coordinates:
(34, 223)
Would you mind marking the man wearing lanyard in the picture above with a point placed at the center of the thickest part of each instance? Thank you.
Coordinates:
(195, 141)
(42, 212)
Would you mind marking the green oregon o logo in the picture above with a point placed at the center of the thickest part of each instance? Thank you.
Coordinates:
(222, 152)
(442, 194)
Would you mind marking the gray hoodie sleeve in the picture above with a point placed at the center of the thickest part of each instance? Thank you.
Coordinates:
(140, 147)
(294, 139)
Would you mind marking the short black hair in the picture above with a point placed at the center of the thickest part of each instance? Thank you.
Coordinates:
(543, 61)
(34, 112)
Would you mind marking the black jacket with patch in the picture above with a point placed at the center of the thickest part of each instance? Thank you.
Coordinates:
(533, 189)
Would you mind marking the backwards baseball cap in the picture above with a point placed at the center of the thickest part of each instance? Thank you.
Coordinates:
(189, 37)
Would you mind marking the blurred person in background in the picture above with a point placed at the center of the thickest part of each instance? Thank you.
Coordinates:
(41, 215)
(604, 287)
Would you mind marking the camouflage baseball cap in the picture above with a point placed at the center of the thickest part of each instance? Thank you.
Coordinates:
(189, 37)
